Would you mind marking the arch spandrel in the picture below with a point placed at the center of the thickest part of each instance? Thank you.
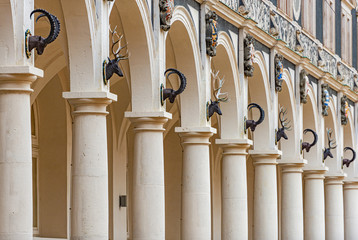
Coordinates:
(334, 164)
(87, 35)
(186, 52)
(144, 79)
(310, 120)
(259, 92)
(14, 21)
(231, 126)
(286, 98)
(348, 141)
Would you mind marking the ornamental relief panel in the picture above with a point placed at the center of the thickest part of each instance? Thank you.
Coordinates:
(286, 31)
(327, 62)
(307, 47)
(259, 12)
(345, 75)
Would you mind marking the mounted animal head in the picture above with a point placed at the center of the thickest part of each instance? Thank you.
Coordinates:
(307, 146)
(39, 42)
(252, 124)
(347, 162)
(331, 145)
(284, 125)
(170, 93)
(112, 65)
(219, 97)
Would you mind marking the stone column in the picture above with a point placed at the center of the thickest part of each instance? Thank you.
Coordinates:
(334, 208)
(89, 196)
(292, 201)
(314, 221)
(196, 197)
(16, 152)
(350, 193)
(234, 189)
(148, 203)
(265, 194)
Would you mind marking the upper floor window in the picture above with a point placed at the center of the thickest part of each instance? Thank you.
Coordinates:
(286, 6)
(346, 28)
(309, 16)
(329, 24)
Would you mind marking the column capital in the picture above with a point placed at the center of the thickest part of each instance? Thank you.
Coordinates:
(334, 179)
(265, 157)
(314, 173)
(195, 135)
(292, 165)
(350, 185)
(234, 146)
(18, 78)
(89, 102)
(148, 121)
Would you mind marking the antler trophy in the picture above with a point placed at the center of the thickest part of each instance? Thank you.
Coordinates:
(168, 92)
(39, 42)
(219, 97)
(111, 67)
(252, 124)
(331, 145)
(347, 162)
(307, 146)
(284, 125)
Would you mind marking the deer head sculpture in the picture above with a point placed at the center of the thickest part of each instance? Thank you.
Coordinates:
(252, 124)
(331, 145)
(219, 97)
(39, 42)
(171, 93)
(112, 65)
(347, 162)
(307, 146)
(284, 125)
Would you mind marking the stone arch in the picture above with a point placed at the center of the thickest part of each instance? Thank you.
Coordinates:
(331, 121)
(259, 92)
(286, 98)
(231, 122)
(310, 120)
(183, 49)
(349, 141)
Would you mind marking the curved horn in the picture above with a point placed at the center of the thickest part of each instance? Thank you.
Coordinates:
(181, 77)
(354, 153)
(314, 135)
(54, 22)
(262, 112)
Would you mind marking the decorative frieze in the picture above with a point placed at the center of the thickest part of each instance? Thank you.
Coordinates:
(286, 31)
(345, 75)
(280, 28)
(327, 62)
(306, 47)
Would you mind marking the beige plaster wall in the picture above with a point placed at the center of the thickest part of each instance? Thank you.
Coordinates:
(52, 161)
